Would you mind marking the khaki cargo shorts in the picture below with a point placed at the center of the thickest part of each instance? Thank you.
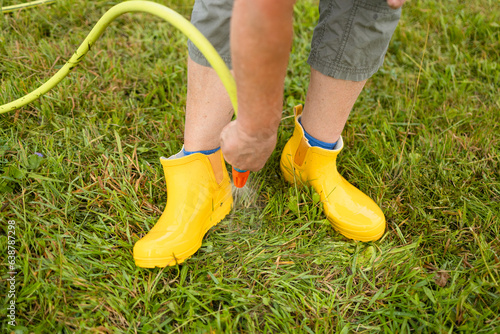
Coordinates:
(349, 41)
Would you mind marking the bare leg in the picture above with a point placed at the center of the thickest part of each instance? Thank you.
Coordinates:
(208, 108)
(328, 104)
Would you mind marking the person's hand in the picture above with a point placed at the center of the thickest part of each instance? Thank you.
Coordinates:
(395, 4)
(245, 150)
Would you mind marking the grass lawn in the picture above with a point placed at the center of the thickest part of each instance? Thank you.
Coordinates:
(423, 140)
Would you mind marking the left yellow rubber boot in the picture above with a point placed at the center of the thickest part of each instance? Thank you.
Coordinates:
(198, 197)
(349, 210)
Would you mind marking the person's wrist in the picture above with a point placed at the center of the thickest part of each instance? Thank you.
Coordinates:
(255, 132)
(258, 126)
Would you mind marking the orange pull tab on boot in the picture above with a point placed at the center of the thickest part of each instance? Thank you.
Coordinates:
(240, 177)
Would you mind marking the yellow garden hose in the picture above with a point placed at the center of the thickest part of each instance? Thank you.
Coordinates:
(165, 13)
(174, 18)
(13, 8)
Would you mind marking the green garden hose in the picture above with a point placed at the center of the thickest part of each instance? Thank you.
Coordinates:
(161, 11)
(13, 8)
(168, 15)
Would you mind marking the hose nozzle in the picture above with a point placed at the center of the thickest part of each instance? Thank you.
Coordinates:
(240, 177)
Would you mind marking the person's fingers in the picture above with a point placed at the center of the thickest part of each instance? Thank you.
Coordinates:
(395, 4)
(243, 151)
(227, 143)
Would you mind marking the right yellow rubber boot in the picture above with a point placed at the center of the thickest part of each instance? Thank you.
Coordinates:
(198, 197)
(349, 210)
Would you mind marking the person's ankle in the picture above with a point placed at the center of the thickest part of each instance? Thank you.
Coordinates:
(316, 142)
(205, 152)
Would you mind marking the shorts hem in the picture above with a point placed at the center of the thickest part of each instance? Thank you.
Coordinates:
(342, 72)
(198, 57)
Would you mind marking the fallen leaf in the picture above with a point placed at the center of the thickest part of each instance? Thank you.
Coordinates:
(441, 278)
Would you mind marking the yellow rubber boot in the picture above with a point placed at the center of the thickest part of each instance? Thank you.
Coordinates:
(198, 197)
(348, 209)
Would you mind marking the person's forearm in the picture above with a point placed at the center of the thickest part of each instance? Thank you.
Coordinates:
(261, 38)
